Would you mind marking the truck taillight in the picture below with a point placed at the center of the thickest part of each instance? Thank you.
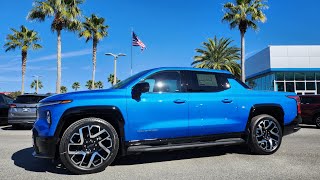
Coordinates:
(297, 98)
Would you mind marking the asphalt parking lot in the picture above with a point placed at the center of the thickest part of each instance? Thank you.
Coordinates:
(297, 158)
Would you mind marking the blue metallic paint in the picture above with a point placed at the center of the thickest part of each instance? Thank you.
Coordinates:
(157, 116)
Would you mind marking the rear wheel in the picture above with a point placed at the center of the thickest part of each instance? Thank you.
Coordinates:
(265, 134)
(317, 121)
(88, 146)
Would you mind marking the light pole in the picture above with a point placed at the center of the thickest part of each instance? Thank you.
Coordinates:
(115, 56)
(37, 85)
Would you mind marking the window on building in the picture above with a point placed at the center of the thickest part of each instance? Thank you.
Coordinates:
(280, 76)
(290, 87)
(318, 87)
(317, 75)
(280, 86)
(299, 76)
(311, 86)
(289, 76)
(300, 86)
(310, 76)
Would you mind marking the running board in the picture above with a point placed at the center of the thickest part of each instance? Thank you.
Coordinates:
(222, 142)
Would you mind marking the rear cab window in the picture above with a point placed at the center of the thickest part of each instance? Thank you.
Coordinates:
(198, 81)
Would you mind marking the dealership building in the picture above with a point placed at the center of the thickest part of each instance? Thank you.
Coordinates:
(285, 68)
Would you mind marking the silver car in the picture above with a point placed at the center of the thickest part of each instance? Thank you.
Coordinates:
(23, 111)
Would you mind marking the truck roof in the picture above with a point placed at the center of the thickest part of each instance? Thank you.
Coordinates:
(191, 69)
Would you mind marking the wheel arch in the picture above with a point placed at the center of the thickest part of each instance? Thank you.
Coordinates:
(272, 109)
(111, 114)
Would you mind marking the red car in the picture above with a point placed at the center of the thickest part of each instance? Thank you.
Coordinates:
(310, 109)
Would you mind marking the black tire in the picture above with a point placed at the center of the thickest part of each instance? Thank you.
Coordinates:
(262, 138)
(102, 149)
(317, 121)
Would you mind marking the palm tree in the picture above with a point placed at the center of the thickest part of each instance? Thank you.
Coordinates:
(98, 84)
(34, 85)
(111, 78)
(63, 89)
(89, 84)
(65, 16)
(23, 39)
(218, 54)
(243, 15)
(76, 86)
(94, 29)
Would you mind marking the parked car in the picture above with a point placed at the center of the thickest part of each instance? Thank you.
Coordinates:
(310, 109)
(161, 109)
(23, 110)
(5, 102)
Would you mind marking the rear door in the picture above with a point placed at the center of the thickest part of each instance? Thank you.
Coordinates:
(212, 107)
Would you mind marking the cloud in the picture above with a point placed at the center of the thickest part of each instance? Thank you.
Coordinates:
(29, 68)
(64, 55)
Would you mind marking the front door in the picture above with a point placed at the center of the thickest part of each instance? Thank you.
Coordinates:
(160, 113)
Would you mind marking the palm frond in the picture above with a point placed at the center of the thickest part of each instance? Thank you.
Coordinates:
(218, 54)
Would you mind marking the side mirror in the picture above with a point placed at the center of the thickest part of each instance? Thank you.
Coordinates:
(139, 88)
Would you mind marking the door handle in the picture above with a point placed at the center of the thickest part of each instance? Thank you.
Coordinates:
(227, 101)
(179, 101)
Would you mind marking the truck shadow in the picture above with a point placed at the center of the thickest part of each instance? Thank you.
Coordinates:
(152, 157)
(25, 160)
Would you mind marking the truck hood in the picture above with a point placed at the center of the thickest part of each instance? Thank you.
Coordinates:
(90, 94)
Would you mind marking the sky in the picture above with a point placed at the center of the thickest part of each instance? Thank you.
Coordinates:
(171, 30)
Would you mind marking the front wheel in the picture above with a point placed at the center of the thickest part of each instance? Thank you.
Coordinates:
(265, 134)
(88, 146)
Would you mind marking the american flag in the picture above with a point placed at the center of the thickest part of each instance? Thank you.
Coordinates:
(137, 42)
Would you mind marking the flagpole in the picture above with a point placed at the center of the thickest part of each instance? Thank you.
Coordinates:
(131, 50)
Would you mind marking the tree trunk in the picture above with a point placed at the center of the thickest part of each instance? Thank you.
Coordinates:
(94, 60)
(58, 82)
(24, 64)
(243, 73)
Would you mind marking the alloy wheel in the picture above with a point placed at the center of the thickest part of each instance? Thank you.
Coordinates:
(268, 135)
(90, 146)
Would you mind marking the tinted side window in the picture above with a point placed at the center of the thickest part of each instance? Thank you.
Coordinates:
(207, 82)
(167, 81)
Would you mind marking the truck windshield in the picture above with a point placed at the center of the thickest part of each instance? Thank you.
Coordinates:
(127, 81)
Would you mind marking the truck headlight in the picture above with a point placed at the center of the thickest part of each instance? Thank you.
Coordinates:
(50, 103)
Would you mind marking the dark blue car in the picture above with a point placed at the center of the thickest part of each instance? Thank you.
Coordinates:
(161, 109)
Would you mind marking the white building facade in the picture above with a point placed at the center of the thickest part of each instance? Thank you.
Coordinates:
(285, 68)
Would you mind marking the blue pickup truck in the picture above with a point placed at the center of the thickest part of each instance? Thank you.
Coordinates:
(161, 109)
